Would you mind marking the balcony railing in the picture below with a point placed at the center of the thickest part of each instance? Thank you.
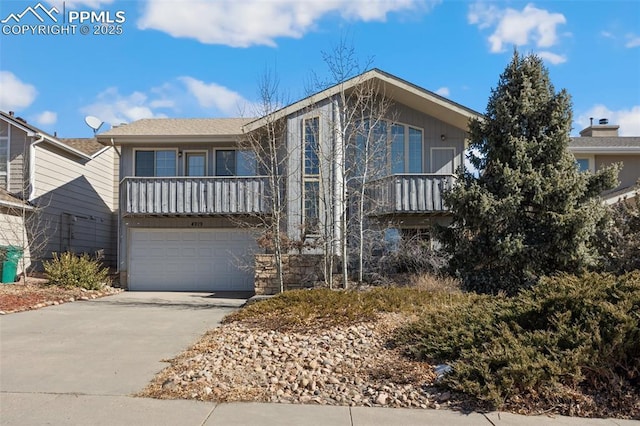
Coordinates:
(193, 196)
(409, 193)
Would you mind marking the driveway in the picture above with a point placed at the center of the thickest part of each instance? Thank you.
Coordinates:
(105, 347)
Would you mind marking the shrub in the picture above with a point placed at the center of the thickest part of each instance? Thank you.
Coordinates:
(70, 270)
(413, 255)
(619, 243)
(569, 342)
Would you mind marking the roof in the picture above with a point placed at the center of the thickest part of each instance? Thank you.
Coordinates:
(396, 88)
(180, 127)
(605, 142)
(89, 146)
(54, 140)
(9, 200)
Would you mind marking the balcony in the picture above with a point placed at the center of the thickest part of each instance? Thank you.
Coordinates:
(409, 194)
(193, 196)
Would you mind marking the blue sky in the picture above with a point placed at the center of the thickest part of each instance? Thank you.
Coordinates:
(204, 58)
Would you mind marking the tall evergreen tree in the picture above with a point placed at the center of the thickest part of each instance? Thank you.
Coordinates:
(530, 212)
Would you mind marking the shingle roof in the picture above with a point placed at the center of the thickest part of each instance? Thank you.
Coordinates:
(181, 127)
(89, 146)
(51, 138)
(605, 142)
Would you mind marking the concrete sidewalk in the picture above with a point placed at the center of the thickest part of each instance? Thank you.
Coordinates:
(78, 364)
(72, 410)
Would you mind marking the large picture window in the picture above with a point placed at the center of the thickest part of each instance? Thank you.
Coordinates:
(407, 150)
(155, 163)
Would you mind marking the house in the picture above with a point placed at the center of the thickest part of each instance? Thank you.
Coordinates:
(600, 146)
(56, 194)
(187, 188)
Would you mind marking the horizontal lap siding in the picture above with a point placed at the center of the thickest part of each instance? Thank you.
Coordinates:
(77, 199)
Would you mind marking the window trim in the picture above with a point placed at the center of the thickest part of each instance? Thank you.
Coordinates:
(154, 149)
(186, 152)
(442, 148)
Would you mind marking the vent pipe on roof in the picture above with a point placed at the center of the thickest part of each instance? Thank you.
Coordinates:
(590, 121)
(603, 121)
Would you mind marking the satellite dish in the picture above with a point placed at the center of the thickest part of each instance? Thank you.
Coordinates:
(94, 122)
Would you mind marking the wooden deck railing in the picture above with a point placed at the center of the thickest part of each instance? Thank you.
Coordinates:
(409, 193)
(175, 196)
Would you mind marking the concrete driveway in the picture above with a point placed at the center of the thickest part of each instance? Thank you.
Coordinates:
(105, 347)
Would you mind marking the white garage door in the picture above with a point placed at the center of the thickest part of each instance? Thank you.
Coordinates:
(191, 260)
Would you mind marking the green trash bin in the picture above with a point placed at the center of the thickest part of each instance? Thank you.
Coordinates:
(10, 263)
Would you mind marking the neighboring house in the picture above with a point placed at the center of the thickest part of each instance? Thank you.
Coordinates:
(185, 185)
(56, 194)
(600, 146)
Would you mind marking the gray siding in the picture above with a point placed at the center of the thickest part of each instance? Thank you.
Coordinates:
(433, 130)
(77, 201)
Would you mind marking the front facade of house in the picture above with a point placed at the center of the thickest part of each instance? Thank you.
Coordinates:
(56, 194)
(190, 195)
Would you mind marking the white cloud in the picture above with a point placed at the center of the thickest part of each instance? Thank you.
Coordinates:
(212, 95)
(258, 22)
(627, 119)
(114, 108)
(632, 41)
(552, 58)
(15, 93)
(443, 91)
(483, 15)
(520, 28)
(46, 118)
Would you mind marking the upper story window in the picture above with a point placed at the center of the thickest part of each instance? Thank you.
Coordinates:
(583, 164)
(155, 163)
(311, 146)
(4, 153)
(231, 162)
(371, 149)
(407, 151)
(311, 177)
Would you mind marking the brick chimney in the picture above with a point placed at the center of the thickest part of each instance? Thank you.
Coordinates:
(602, 129)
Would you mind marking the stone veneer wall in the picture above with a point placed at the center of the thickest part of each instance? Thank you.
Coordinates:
(299, 271)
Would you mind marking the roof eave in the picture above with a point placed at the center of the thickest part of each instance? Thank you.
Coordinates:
(164, 139)
(604, 150)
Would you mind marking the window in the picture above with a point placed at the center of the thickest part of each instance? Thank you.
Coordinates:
(311, 176)
(371, 148)
(195, 163)
(155, 163)
(406, 149)
(583, 164)
(230, 162)
(4, 153)
(311, 146)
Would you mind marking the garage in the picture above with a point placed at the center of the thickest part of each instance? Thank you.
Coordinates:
(191, 260)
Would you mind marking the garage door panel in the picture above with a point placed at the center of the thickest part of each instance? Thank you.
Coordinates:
(190, 260)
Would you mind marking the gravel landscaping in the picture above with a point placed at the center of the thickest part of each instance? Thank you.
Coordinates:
(35, 294)
(341, 365)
